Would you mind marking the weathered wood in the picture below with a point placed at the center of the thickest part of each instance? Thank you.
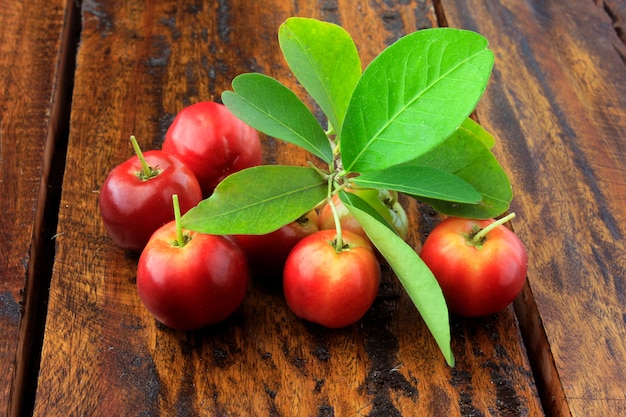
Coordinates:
(557, 102)
(31, 44)
(103, 354)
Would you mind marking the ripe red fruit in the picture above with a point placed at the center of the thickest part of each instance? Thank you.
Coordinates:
(330, 287)
(188, 286)
(480, 276)
(212, 142)
(383, 201)
(267, 253)
(134, 203)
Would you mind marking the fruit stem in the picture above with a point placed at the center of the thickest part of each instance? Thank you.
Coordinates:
(339, 237)
(147, 171)
(478, 237)
(180, 238)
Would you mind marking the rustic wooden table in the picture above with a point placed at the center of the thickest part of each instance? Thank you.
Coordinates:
(78, 77)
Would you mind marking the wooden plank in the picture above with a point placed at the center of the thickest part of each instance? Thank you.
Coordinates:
(31, 105)
(616, 10)
(103, 354)
(557, 102)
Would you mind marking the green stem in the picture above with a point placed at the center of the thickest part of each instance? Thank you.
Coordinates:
(331, 129)
(323, 174)
(147, 171)
(180, 237)
(339, 237)
(483, 232)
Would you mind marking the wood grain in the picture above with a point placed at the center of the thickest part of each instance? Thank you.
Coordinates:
(31, 44)
(557, 103)
(103, 354)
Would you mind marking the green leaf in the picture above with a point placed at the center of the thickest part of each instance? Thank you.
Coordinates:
(416, 278)
(466, 156)
(413, 96)
(479, 132)
(258, 200)
(421, 181)
(270, 107)
(365, 206)
(325, 60)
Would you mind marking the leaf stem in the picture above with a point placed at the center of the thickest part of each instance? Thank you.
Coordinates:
(331, 130)
(323, 174)
(478, 237)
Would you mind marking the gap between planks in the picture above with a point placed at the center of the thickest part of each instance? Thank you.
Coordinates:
(534, 337)
(42, 252)
(43, 248)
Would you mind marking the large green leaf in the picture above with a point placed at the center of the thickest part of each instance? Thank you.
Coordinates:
(479, 132)
(270, 107)
(421, 181)
(325, 60)
(258, 200)
(465, 155)
(416, 278)
(413, 96)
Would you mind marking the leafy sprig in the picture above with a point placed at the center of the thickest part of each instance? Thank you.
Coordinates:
(401, 124)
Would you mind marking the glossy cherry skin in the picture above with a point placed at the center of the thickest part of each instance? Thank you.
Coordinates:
(212, 142)
(327, 287)
(132, 208)
(268, 253)
(189, 287)
(476, 281)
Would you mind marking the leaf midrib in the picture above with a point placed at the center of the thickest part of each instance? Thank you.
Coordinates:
(393, 119)
(320, 152)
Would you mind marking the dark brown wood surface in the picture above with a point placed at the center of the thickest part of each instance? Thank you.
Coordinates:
(136, 67)
(555, 104)
(31, 45)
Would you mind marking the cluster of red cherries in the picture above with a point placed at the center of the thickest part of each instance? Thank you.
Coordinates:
(188, 280)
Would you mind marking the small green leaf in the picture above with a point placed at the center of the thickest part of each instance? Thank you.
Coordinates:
(270, 107)
(479, 132)
(324, 58)
(413, 96)
(466, 156)
(416, 278)
(258, 200)
(421, 181)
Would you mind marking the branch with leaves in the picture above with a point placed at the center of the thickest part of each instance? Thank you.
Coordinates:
(402, 124)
